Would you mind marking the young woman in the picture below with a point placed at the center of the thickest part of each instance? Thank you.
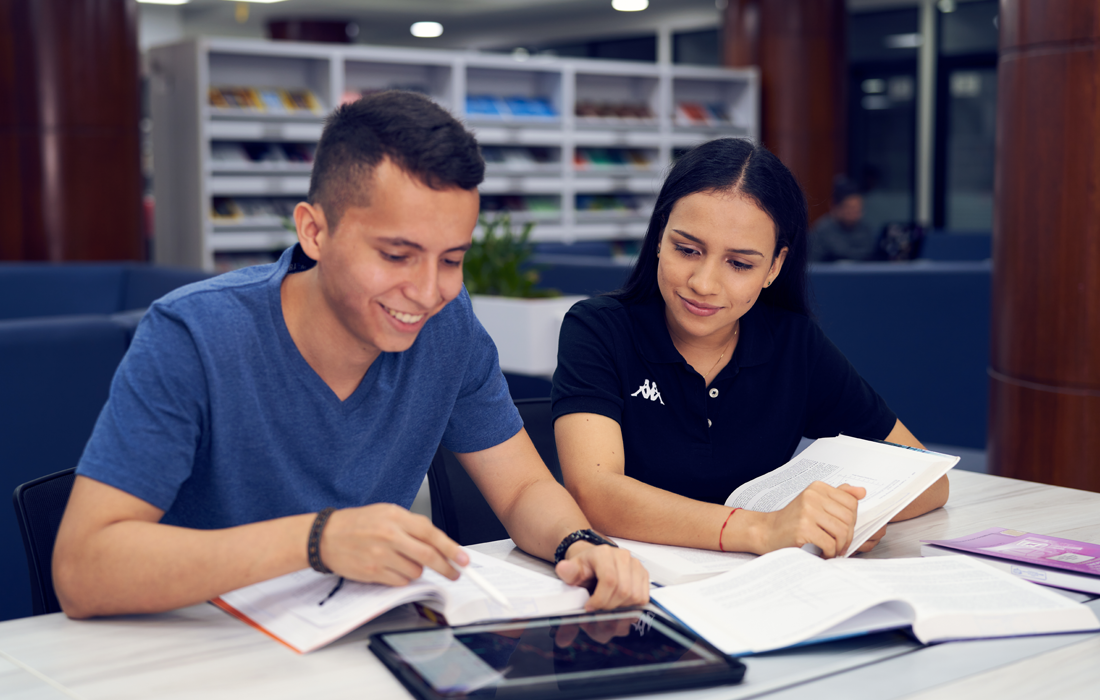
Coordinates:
(706, 369)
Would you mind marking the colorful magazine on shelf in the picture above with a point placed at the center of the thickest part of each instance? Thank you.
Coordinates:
(1051, 561)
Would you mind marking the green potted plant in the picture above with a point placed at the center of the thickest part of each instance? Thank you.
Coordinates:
(522, 321)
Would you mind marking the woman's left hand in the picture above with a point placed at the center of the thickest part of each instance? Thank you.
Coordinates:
(873, 540)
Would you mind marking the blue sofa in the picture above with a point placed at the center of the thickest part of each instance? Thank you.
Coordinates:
(63, 331)
(919, 333)
(957, 245)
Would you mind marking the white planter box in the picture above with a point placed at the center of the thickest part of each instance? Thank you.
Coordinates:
(525, 330)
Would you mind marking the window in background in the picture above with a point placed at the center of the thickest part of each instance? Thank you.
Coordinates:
(966, 117)
(882, 68)
(638, 48)
(700, 48)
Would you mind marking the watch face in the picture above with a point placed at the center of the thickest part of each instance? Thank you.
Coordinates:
(586, 535)
(596, 538)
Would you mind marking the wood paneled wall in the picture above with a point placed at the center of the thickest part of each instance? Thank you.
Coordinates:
(1045, 364)
(801, 49)
(70, 171)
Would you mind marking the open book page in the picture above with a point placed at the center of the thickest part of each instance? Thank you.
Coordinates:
(955, 597)
(296, 609)
(893, 477)
(777, 600)
(301, 610)
(531, 594)
(668, 564)
(1068, 584)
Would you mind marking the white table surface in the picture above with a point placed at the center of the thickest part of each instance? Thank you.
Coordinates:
(201, 651)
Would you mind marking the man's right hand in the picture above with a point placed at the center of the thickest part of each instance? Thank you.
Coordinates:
(821, 515)
(385, 543)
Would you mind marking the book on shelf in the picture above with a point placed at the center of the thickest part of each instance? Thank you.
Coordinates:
(790, 597)
(894, 475)
(515, 106)
(588, 158)
(306, 610)
(265, 99)
(691, 114)
(1042, 559)
(588, 111)
(241, 209)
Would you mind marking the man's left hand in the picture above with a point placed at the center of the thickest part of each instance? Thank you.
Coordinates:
(621, 580)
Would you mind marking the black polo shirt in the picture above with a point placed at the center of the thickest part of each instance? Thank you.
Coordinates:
(786, 380)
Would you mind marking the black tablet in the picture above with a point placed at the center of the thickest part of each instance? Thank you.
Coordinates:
(576, 656)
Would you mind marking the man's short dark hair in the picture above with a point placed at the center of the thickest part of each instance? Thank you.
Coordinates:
(843, 188)
(419, 136)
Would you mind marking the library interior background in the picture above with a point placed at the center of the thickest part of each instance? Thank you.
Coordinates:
(145, 144)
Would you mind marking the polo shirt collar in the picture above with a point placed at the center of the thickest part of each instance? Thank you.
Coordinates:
(755, 346)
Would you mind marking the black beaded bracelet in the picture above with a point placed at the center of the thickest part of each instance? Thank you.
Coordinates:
(313, 547)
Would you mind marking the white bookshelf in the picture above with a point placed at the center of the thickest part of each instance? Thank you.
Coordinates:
(588, 175)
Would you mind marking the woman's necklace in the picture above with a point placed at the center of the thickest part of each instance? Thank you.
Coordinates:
(719, 360)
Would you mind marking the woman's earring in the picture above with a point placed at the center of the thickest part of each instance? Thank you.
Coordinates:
(658, 251)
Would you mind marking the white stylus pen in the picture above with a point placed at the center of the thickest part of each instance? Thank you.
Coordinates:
(479, 581)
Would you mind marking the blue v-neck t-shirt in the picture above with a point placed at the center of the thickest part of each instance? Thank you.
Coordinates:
(216, 418)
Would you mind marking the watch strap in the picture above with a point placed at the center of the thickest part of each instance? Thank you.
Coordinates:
(574, 537)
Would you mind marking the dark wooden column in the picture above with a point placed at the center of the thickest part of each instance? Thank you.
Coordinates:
(70, 171)
(801, 49)
(1045, 367)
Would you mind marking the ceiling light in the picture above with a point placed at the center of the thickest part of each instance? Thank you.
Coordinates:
(164, 2)
(630, 5)
(426, 30)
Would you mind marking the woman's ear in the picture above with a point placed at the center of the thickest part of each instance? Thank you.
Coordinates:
(777, 266)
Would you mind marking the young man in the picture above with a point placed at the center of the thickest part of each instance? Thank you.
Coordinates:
(251, 405)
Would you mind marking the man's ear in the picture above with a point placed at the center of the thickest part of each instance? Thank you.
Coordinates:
(312, 228)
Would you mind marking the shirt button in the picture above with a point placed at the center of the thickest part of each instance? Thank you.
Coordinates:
(714, 393)
(709, 423)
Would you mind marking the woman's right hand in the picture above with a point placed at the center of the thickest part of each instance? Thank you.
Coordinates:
(821, 515)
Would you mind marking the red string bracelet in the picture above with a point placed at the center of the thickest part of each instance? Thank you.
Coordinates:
(720, 532)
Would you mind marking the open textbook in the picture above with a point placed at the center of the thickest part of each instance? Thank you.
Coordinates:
(306, 610)
(790, 597)
(892, 474)
(668, 564)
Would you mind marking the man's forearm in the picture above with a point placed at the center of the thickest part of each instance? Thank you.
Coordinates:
(544, 513)
(133, 566)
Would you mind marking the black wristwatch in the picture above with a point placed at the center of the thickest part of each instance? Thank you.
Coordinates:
(586, 535)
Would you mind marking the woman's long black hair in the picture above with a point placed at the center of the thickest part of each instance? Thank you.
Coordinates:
(742, 167)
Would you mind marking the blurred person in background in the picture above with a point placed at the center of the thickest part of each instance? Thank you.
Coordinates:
(842, 234)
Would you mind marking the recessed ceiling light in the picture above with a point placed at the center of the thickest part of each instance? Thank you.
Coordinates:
(630, 5)
(426, 30)
(164, 2)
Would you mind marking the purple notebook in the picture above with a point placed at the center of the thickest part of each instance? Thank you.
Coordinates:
(1042, 550)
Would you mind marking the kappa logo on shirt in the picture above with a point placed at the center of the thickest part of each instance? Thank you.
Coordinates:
(649, 391)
